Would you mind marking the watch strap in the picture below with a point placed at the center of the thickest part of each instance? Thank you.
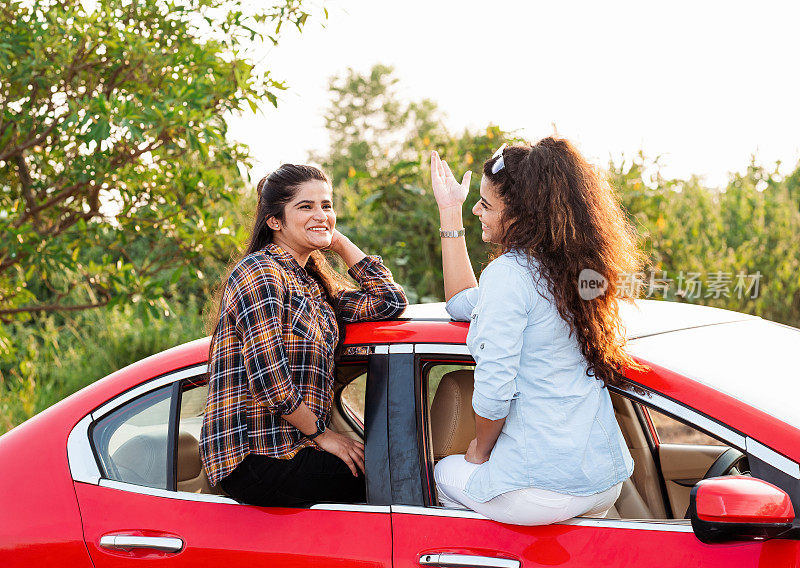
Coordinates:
(320, 429)
(452, 234)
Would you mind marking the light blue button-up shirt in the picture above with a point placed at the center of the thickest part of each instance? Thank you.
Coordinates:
(560, 433)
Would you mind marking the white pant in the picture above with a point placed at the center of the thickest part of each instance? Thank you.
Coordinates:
(529, 506)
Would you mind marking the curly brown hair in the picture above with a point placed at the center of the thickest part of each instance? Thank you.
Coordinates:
(561, 211)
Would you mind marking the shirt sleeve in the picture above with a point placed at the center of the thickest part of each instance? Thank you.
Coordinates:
(379, 297)
(460, 306)
(259, 324)
(497, 331)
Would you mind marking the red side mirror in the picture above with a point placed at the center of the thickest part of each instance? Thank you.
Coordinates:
(739, 508)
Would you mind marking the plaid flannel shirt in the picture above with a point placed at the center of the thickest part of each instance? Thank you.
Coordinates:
(274, 348)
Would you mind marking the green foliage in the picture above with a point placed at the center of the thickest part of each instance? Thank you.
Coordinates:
(380, 154)
(55, 359)
(116, 177)
(380, 163)
(749, 227)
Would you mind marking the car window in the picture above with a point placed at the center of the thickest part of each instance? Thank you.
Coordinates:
(670, 431)
(193, 405)
(189, 473)
(435, 373)
(353, 398)
(131, 442)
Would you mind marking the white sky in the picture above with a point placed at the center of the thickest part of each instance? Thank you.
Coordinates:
(703, 83)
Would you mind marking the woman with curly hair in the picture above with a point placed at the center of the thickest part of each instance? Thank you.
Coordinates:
(547, 445)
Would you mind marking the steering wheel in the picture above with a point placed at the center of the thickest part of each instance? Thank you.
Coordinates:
(729, 462)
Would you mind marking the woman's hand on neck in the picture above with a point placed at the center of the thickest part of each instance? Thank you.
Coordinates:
(345, 248)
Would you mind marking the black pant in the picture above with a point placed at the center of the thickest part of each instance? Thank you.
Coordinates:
(312, 476)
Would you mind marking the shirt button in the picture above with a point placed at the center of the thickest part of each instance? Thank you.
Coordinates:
(483, 345)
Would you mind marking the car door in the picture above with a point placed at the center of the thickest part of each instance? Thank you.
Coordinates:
(437, 537)
(133, 513)
(428, 535)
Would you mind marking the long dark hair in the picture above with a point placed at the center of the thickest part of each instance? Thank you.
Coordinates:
(274, 192)
(561, 211)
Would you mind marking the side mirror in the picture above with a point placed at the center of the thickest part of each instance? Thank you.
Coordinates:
(739, 508)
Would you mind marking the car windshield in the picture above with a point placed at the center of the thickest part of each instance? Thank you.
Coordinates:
(754, 361)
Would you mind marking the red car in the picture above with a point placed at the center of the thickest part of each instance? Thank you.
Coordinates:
(111, 476)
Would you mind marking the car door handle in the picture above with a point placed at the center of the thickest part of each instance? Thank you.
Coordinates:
(129, 542)
(464, 560)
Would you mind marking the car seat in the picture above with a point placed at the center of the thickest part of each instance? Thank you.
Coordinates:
(452, 423)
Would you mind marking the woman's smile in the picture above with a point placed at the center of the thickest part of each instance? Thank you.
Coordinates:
(308, 220)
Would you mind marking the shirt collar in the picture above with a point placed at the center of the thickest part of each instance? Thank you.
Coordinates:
(284, 258)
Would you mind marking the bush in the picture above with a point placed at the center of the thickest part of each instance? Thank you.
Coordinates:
(53, 361)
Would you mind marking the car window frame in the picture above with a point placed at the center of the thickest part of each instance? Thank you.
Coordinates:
(637, 393)
(84, 462)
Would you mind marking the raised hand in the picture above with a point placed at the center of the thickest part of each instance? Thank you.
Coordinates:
(447, 191)
(337, 240)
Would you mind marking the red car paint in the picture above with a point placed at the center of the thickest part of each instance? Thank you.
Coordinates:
(742, 499)
(41, 522)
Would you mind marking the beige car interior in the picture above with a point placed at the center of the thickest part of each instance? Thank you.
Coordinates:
(682, 465)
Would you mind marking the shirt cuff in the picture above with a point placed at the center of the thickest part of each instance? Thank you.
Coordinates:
(360, 269)
(489, 408)
(288, 404)
(459, 306)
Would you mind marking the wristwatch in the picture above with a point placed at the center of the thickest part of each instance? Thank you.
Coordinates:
(452, 234)
(320, 429)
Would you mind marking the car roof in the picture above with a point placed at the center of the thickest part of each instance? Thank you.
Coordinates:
(430, 323)
(641, 318)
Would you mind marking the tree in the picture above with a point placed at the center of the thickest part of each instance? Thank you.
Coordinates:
(744, 234)
(114, 162)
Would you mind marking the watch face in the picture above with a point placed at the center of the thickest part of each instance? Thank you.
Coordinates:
(320, 425)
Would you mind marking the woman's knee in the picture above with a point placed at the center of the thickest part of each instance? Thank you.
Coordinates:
(442, 471)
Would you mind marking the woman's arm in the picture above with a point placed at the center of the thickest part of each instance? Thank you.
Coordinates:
(346, 249)
(379, 297)
(486, 434)
(349, 451)
(450, 197)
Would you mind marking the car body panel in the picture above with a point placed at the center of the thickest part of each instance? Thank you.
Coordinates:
(41, 517)
(229, 535)
(40, 523)
(579, 543)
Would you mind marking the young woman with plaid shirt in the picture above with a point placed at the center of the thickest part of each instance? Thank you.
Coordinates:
(265, 438)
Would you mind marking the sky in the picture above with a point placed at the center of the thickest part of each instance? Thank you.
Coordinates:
(704, 85)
